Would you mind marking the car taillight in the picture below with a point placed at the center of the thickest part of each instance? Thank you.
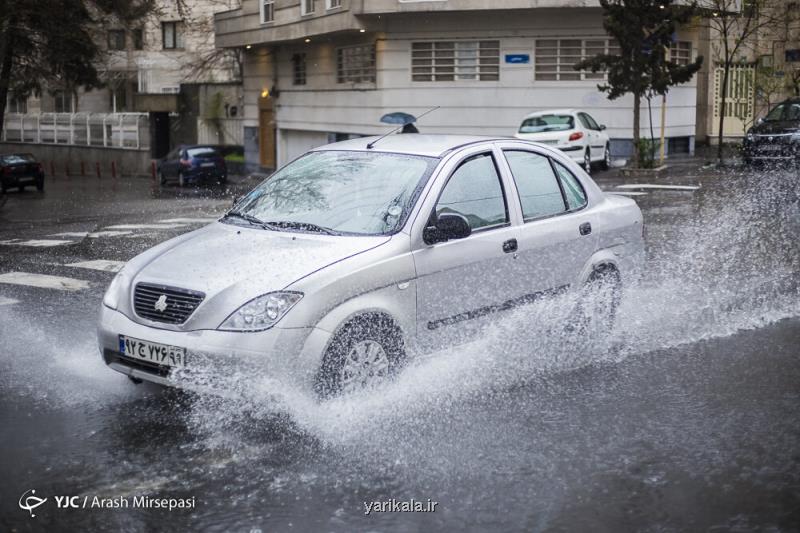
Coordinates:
(186, 162)
(575, 136)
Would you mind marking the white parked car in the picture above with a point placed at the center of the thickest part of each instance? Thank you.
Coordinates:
(362, 254)
(572, 131)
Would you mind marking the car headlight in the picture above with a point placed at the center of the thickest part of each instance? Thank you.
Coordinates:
(262, 312)
(750, 136)
(114, 291)
(796, 137)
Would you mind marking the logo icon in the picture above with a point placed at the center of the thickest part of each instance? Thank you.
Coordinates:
(30, 502)
(161, 304)
(769, 138)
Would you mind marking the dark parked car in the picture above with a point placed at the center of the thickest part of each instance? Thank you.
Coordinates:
(776, 137)
(193, 164)
(20, 170)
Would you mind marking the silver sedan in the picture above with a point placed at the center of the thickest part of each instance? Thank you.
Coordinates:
(357, 256)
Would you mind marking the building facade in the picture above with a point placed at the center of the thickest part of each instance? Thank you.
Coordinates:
(316, 71)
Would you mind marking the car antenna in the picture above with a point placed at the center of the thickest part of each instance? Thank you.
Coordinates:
(373, 143)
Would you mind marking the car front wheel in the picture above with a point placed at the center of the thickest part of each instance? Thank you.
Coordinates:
(365, 353)
(40, 185)
(607, 158)
(587, 162)
(596, 311)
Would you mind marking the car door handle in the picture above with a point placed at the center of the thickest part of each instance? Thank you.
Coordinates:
(510, 246)
(585, 228)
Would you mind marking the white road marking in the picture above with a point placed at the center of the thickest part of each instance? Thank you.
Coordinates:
(147, 226)
(628, 193)
(661, 187)
(91, 235)
(38, 243)
(7, 301)
(99, 264)
(44, 281)
(200, 220)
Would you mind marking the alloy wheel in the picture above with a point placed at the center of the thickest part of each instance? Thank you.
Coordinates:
(365, 364)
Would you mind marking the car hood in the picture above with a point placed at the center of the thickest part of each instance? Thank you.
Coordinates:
(775, 127)
(246, 262)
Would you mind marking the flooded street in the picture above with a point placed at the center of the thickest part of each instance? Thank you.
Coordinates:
(688, 418)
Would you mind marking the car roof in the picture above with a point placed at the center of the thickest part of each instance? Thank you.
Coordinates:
(553, 112)
(431, 145)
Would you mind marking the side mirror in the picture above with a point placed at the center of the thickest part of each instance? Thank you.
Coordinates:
(448, 226)
(602, 127)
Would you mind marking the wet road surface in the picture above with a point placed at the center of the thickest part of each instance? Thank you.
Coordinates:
(690, 421)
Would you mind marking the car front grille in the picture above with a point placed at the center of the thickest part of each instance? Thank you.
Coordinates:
(165, 304)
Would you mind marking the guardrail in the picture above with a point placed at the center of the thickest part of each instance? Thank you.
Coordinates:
(109, 130)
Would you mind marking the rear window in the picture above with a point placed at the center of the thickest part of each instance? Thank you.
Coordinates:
(16, 159)
(201, 152)
(546, 123)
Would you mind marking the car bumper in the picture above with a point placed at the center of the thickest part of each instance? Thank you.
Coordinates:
(788, 151)
(205, 176)
(221, 362)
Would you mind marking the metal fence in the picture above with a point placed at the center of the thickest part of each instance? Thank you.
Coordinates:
(220, 131)
(110, 130)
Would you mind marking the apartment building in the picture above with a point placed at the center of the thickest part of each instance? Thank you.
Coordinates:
(165, 66)
(317, 71)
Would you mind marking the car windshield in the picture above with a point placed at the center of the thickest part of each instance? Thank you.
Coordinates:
(547, 123)
(16, 159)
(785, 111)
(366, 193)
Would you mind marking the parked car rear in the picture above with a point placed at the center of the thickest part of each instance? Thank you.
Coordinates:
(20, 170)
(197, 164)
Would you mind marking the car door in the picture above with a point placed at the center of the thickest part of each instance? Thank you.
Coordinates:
(597, 138)
(461, 282)
(556, 238)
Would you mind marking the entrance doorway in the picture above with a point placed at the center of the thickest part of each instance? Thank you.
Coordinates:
(266, 133)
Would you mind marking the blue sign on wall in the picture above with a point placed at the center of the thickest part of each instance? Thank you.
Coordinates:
(518, 59)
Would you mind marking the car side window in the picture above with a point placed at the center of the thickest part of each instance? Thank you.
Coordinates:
(584, 120)
(539, 192)
(474, 190)
(573, 190)
(592, 123)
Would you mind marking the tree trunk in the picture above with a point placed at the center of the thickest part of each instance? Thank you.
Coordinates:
(723, 99)
(6, 60)
(636, 112)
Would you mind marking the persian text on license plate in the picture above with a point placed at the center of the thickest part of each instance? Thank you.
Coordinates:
(161, 354)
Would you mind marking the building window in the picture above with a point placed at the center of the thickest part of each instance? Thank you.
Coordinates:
(455, 60)
(680, 52)
(299, 69)
(62, 102)
(307, 6)
(355, 64)
(172, 35)
(267, 11)
(137, 36)
(333, 4)
(556, 58)
(116, 39)
(17, 104)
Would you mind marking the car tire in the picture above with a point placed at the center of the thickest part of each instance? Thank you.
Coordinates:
(606, 164)
(20, 188)
(40, 185)
(347, 365)
(587, 161)
(181, 180)
(595, 314)
(162, 180)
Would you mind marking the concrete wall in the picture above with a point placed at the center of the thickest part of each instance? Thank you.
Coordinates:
(127, 162)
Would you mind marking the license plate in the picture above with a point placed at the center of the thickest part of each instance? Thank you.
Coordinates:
(770, 147)
(207, 165)
(161, 354)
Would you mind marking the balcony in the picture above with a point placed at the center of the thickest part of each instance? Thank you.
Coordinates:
(387, 7)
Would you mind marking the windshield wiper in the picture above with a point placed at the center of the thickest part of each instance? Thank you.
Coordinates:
(308, 226)
(249, 218)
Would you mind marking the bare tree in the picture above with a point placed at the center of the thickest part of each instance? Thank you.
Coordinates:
(735, 26)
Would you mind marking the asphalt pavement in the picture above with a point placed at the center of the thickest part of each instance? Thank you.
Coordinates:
(689, 422)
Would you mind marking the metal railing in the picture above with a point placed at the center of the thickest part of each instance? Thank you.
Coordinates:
(109, 130)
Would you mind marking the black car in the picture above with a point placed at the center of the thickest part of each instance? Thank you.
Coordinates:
(20, 170)
(196, 164)
(776, 137)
